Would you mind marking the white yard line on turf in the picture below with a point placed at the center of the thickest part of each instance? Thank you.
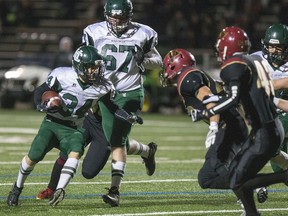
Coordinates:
(124, 182)
(191, 212)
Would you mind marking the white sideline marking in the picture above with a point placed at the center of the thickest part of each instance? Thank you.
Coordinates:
(190, 212)
(130, 160)
(124, 182)
(18, 130)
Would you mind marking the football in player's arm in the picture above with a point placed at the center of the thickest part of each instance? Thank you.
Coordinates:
(78, 87)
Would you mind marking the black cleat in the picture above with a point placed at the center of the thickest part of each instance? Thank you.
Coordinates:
(150, 162)
(262, 195)
(113, 197)
(13, 196)
(57, 197)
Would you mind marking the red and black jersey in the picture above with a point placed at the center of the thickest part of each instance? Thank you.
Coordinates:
(248, 83)
(190, 81)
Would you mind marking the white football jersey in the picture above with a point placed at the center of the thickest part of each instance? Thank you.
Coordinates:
(121, 68)
(76, 97)
(282, 72)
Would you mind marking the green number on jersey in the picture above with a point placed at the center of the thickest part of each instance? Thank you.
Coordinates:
(112, 65)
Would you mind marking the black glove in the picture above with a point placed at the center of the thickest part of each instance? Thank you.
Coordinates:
(44, 108)
(41, 107)
(197, 115)
(139, 57)
(132, 119)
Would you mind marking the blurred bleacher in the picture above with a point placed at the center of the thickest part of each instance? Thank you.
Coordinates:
(26, 44)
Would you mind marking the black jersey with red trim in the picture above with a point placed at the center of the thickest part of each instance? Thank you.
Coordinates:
(188, 85)
(248, 83)
(190, 81)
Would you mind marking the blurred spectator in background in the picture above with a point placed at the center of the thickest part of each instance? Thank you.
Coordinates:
(283, 18)
(95, 12)
(25, 15)
(67, 10)
(17, 13)
(64, 57)
(177, 29)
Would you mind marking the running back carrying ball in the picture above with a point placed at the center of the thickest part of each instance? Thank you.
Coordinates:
(51, 99)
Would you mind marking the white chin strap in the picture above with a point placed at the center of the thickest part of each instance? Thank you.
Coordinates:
(225, 53)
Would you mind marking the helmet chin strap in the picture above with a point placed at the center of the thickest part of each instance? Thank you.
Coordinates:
(80, 78)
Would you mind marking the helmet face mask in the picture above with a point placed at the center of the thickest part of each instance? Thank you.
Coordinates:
(174, 63)
(118, 15)
(275, 45)
(88, 64)
(230, 41)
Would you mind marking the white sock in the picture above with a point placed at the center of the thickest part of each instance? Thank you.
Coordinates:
(24, 171)
(138, 149)
(118, 169)
(67, 172)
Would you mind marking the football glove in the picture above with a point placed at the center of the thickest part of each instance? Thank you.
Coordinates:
(210, 99)
(44, 108)
(133, 119)
(139, 57)
(211, 135)
(197, 115)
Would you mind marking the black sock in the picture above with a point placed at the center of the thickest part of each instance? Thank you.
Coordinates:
(262, 180)
(56, 172)
(247, 198)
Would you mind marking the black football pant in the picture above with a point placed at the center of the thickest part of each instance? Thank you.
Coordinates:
(214, 172)
(261, 145)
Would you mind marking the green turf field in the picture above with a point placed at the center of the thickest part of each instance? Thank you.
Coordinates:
(172, 190)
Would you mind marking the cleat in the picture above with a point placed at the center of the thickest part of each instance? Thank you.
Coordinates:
(45, 194)
(57, 197)
(113, 197)
(149, 162)
(13, 196)
(262, 194)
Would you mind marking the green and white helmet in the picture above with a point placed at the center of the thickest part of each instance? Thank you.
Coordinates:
(276, 36)
(88, 64)
(118, 14)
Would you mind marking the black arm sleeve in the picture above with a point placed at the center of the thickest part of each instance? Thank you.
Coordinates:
(114, 108)
(228, 102)
(38, 93)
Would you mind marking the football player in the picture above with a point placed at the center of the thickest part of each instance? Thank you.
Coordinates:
(128, 48)
(194, 86)
(275, 53)
(78, 87)
(97, 154)
(248, 84)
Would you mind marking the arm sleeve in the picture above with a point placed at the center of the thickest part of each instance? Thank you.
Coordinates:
(228, 102)
(152, 60)
(232, 73)
(38, 93)
(86, 38)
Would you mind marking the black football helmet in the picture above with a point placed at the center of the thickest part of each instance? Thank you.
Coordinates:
(88, 64)
(275, 45)
(118, 14)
